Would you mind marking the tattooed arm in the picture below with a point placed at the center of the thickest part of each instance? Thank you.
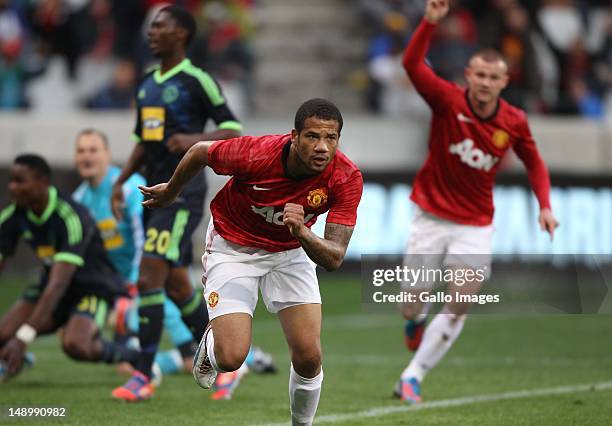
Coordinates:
(328, 251)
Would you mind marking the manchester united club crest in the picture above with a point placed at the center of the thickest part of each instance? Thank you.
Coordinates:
(317, 197)
(500, 139)
(213, 299)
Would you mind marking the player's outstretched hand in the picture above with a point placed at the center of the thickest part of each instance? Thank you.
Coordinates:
(117, 202)
(157, 196)
(436, 10)
(548, 222)
(293, 218)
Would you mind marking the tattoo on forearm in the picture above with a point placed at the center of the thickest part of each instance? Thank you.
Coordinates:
(328, 251)
(340, 234)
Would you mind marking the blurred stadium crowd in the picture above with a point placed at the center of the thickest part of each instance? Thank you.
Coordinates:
(559, 51)
(92, 52)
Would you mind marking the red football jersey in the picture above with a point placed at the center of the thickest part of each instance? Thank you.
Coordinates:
(456, 182)
(248, 210)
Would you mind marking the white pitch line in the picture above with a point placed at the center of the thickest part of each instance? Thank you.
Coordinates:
(456, 402)
(460, 361)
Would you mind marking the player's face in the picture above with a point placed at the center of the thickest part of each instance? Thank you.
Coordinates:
(163, 35)
(91, 158)
(485, 79)
(316, 144)
(25, 186)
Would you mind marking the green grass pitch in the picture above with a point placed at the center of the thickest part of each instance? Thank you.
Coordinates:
(363, 356)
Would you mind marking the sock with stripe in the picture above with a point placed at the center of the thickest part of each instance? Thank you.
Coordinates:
(151, 319)
(113, 352)
(194, 314)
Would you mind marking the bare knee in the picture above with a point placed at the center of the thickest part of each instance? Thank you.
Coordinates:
(178, 293)
(153, 274)
(146, 284)
(230, 357)
(179, 287)
(75, 348)
(307, 361)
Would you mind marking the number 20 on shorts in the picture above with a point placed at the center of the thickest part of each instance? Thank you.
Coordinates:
(157, 242)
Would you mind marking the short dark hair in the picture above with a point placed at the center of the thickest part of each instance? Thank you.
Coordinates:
(183, 19)
(319, 108)
(35, 163)
(489, 55)
(92, 131)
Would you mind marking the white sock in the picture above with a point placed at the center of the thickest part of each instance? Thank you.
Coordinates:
(210, 350)
(439, 336)
(304, 397)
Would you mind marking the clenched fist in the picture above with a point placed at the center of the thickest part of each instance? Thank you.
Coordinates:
(436, 10)
(293, 218)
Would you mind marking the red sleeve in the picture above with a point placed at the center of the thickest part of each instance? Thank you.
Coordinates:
(431, 87)
(537, 171)
(231, 156)
(346, 197)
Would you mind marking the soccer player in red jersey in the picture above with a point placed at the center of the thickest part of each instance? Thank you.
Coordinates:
(471, 130)
(260, 238)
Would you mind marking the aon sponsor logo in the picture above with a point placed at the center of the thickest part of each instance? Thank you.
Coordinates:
(275, 217)
(472, 156)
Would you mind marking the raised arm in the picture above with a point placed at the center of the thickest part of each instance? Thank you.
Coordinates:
(164, 194)
(427, 83)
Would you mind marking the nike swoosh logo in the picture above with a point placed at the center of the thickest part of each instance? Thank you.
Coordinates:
(464, 118)
(259, 188)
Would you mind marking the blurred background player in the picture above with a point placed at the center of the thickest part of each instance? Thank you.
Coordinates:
(471, 131)
(259, 238)
(123, 242)
(174, 103)
(78, 281)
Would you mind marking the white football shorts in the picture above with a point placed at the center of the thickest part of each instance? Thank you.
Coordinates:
(440, 243)
(234, 273)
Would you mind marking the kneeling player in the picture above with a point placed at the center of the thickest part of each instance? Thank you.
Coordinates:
(78, 283)
(260, 238)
